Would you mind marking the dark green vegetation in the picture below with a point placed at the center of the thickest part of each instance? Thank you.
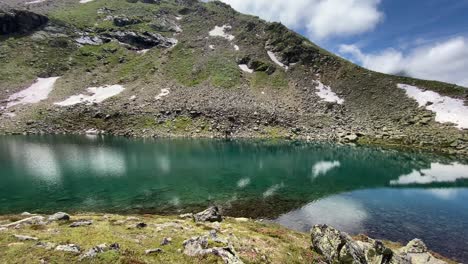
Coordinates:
(133, 43)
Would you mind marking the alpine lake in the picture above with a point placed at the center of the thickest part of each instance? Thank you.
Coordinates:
(386, 194)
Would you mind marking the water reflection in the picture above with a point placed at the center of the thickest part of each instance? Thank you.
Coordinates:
(323, 167)
(436, 173)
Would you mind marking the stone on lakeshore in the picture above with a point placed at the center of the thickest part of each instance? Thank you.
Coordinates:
(68, 248)
(59, 217)
(186, 216)
(209, 215)
(33, 220)
(25, 214)
(153, 251)
(241, 219)
(418, 253)
(81, 223)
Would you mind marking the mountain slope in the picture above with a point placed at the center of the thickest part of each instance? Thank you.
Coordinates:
(187, 68)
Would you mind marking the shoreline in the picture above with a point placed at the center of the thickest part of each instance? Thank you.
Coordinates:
(206, 237)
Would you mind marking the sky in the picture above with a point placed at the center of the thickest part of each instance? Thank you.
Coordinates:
(425, 39)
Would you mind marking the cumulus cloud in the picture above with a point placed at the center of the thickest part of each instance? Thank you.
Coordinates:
(443, 61)
(319, 18)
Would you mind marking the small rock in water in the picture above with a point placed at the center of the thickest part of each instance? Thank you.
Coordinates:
(68, 248)
(153, 251)
(59, 217)
(209, 215)
(25, 238)
(166, 241)
(81, 223)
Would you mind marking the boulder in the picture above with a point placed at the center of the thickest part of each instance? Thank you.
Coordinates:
(211, 214)
(60, 216)
(198, 246)
(145, 40)
(336, 246)
(125, 21)
(93, 252)
(20, 21)
(418, 253)
(166, 241)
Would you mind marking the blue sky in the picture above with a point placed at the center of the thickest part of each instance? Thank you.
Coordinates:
(422, 38)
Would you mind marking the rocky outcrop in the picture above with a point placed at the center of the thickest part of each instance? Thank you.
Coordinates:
(145, 40)
(211, 214)
(20, 21)
(338, 247)
(33, 220)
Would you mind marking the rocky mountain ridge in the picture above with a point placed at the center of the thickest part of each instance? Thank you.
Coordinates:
(188, 68)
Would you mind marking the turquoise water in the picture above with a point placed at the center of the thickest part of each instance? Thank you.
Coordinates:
(383, 193)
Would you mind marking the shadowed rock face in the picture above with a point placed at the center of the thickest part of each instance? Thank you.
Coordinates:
(20, 21)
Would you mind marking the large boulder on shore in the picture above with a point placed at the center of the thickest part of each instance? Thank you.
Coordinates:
(211, 214)
(20, 21)
(338, 247)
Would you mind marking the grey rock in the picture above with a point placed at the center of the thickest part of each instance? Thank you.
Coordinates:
(145, 40)
(60, 216)
(25, 238)
(125, 21)
(68, 248)
(93, 252)
(211, 214)
(418, 253)
(198, 246)
(186, 216)
(81, 223)
(153, 251)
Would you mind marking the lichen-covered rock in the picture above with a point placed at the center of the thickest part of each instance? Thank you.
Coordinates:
(418, 253)
(198, 246)
(336, 246)
(68, 248)
(211, 214)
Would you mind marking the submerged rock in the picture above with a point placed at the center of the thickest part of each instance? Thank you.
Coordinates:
(211, 214)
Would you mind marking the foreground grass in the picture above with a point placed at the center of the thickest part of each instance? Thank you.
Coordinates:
(253, 241)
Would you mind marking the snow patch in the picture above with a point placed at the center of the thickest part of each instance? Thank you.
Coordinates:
(437, 173)
(178, 18)
(275, 59)
(98, 95)
(144, 51)
(37, 92)
(447, 109)
(35, 2)
(212, 47)
(221, 32)
(85, 1)
(236, 47)
(327, 94)
(245, 68)
(163, 93)
(133, 98)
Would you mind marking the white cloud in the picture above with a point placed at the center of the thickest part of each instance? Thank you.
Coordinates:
(443, 61)
(320, 18)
